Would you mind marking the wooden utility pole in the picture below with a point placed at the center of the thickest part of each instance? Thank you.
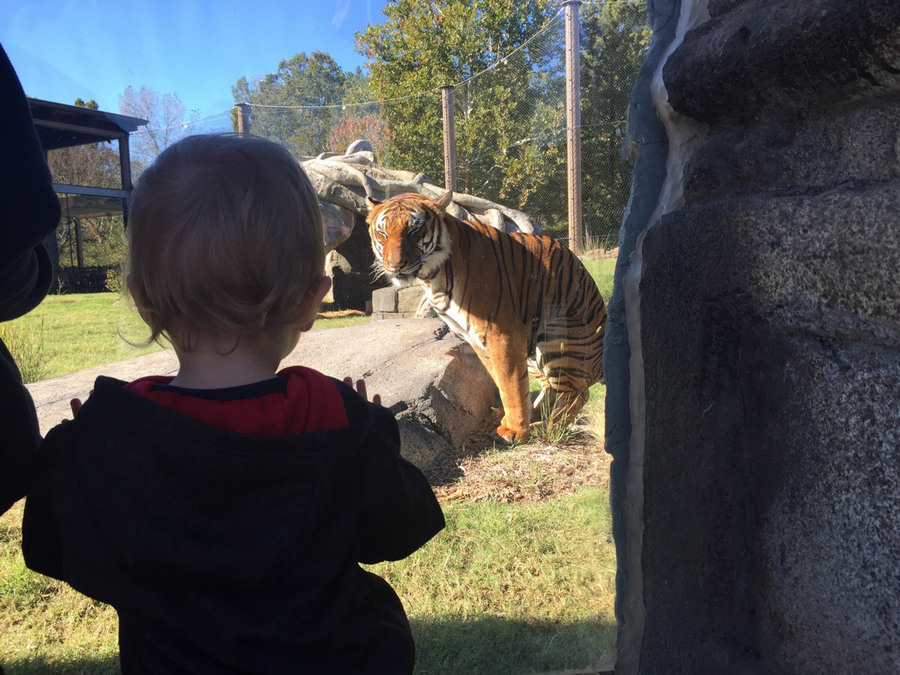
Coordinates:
(573, 123)
(243, 118)
(449, 138)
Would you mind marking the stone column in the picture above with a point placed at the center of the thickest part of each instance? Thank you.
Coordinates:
(767, 317)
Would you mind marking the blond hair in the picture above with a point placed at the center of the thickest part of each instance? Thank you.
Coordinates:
(224, 236)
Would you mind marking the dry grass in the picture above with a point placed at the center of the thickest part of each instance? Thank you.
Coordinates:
(526, 472)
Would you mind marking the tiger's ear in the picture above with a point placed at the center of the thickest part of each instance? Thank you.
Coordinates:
(372, 203)
(444, 201)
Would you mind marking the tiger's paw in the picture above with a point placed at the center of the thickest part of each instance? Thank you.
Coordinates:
(512, 435)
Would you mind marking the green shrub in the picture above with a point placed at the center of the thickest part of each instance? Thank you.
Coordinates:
(115, 281)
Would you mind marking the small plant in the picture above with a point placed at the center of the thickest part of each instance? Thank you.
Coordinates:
(555, 433)
(115, 282)
(27, 349)
(547, 431)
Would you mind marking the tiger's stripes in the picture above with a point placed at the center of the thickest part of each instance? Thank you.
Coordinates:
(524, 302)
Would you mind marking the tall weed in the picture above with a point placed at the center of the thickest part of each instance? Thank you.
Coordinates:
(27, 349)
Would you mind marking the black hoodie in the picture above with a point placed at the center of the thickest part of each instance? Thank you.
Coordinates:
(227, 552)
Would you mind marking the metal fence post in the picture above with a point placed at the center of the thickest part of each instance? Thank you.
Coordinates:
(573, 124)
(449, 138)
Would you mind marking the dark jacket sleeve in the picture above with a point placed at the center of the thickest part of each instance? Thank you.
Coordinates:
(29, 208)
(405, 513)
(21, 434)
(29, 212)
(40, 530)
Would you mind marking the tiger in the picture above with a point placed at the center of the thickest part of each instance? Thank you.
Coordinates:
(524, 302)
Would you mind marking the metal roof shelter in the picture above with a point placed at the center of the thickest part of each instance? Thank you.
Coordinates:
(62, 126)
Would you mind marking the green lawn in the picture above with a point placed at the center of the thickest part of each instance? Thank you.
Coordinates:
(602, 269)
(71, 332)
(512, 588)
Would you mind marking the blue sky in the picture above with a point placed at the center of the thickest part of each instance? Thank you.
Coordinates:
(94, 49)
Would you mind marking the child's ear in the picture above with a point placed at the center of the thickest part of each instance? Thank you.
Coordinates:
(136, 297)
(312, 301)
(319, 289)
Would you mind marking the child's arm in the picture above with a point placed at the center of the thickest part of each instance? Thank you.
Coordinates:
(406, 514)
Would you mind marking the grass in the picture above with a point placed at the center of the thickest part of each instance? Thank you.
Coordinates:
(505, 588)
(521, 580)
(602, 270)
(66, 333)
(512, 588)
(84, 330)
(45, 626)
(26, 344)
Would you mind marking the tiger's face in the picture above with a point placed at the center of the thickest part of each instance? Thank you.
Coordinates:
(407, 238)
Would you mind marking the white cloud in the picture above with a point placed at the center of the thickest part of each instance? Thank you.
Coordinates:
(340, 13)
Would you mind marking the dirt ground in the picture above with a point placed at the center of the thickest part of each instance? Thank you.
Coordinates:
(525, 472)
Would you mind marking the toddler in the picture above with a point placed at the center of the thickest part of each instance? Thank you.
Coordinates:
(223, 512)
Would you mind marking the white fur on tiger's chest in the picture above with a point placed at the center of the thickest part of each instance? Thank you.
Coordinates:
(455, 318)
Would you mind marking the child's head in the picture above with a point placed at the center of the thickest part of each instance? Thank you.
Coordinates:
(225, 238)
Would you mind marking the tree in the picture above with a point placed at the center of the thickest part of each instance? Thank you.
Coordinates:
(423, 46)
(510, 118)
(90, 105)
(298, 104)
(93, 165)
(166, 122)
(357, 88)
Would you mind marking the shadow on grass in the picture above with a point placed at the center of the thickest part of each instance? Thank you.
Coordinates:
(81, 666)
(485, 645)
(496, 645)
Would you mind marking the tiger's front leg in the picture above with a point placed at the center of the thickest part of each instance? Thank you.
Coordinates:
(509, 370)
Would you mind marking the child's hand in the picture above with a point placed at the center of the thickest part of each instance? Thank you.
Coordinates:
(75, 404)
(361, 390)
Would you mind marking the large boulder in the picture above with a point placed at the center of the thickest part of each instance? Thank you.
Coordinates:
(431, 380)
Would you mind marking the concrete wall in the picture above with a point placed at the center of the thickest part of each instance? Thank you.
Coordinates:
(754, 363)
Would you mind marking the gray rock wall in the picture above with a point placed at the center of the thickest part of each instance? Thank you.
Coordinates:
(758, 515)
(650, 144)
